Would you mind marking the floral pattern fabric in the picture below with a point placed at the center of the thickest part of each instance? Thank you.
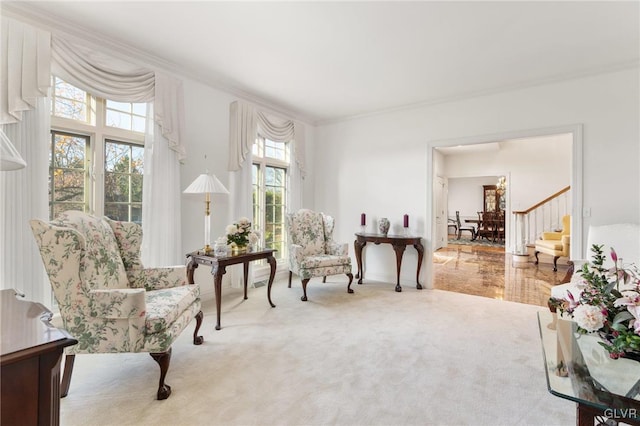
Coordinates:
(307, 231)
(312, 251)
(102, 262)
(144, 312)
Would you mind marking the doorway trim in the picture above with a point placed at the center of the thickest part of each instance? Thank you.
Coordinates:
(576, 130)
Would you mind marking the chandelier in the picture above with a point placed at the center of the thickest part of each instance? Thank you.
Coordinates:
(501, 186)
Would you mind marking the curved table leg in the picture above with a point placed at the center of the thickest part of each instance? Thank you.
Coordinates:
(358, 246)
(399, 249)
(217, 273)
(272, 263)
(420, 248)
(245, 269)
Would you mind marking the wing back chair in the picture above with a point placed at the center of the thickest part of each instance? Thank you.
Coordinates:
(555, 244)
(108, 301)
(312, 251)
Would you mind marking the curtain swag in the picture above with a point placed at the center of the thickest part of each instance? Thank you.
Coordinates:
(84, 68)
(110, 78)
(246, 122)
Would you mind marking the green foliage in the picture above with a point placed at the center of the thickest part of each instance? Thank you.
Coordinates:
(602, 293)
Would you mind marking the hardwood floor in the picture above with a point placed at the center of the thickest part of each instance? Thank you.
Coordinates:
(489, 272)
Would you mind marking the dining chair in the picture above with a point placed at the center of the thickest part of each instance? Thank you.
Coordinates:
(461, 228)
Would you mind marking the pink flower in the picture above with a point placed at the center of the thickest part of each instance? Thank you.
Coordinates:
(614, 256)
(572, 301)
(630, 299)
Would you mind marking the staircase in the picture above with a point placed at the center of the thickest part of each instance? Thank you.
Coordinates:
(543, 216)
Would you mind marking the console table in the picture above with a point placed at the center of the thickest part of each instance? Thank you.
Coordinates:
(31, 349)
(580, 370)
(218, 269)
(399, 243)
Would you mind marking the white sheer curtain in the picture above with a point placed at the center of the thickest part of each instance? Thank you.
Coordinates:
(161, 177)
(244, 125)
(118, 80)
(242, 130)
(25, 73)
(297, 170)
(24, 197)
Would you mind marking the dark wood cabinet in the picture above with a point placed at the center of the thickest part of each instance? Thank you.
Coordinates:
(31, 350)
(491, 198)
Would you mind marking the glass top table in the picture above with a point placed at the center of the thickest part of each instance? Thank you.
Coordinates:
(580, 370)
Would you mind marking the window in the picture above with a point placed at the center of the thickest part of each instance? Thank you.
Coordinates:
(67, 173)
(123, 181)
(126, 115)
(96, 155)
(270, 183)
(68, 101)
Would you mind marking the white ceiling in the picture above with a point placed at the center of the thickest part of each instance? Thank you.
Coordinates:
(324, 61)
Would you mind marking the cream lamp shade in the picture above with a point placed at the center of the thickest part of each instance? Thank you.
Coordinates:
(206, 184)
(10, 159)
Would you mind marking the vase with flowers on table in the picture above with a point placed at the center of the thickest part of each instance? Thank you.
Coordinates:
(240, 237)
(608, 304)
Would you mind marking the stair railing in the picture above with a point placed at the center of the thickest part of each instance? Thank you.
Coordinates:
(543, 216)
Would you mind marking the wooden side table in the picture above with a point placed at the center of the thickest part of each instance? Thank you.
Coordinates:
(31, 351)
(218, 269)
(399, 243)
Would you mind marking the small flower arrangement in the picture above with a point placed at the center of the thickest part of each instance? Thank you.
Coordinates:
(239, 234)
(609, 304)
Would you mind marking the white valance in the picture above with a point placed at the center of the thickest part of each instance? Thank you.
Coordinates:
(275, 128)
(99, 74)
(118, 80)
(245, 122)
(25, 70)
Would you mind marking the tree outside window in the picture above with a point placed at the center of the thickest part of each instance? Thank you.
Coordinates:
(97, 153)
(270, 182)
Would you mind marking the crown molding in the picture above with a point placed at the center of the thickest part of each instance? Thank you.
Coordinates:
(32, 15)
(634, 64)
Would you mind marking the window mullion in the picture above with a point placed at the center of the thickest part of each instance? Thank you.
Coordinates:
(261, 206)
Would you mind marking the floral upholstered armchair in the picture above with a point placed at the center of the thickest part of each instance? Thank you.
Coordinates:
(108, 301)
(312, 251)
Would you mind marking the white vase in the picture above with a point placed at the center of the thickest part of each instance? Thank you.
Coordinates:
(383, 225)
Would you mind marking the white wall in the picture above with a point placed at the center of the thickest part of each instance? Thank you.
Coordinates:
(536, 167)
(207, 134)
(378, 164)
(466, 195)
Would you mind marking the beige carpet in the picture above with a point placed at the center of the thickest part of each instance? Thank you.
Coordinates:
(375, 357)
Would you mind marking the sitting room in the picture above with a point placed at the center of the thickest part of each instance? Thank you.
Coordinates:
(235, 213)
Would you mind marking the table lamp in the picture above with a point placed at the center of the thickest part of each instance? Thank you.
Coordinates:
(206, 184)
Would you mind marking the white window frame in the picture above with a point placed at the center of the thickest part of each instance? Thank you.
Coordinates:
(262, 162)
(98, 132)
